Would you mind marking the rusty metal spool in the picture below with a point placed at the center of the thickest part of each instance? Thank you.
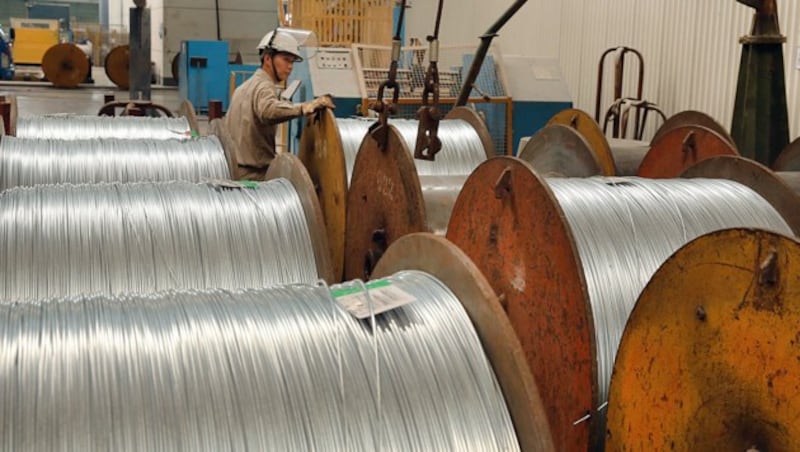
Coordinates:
(322, 153)
(65, 65)
(440, 258)
(386, 198)
(289, 167)
(561, 151)
(682, 147)
(781, 189)
(789, 158)
(710, 357)
(116, 66)
(8, 104)
(217, 127)
(508, 221)
(591, 131)
(692, 118)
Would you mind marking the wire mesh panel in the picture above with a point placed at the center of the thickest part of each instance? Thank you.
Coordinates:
(489, 94)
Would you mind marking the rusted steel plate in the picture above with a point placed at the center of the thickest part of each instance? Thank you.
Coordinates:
(289, 167)
(322, 154)
(116, 66)
(680, 148)
(587, 126)
(789, 158)
(560, 151)
(65, 65)
(756, 176)
(692, 118)
(440, 258)
(509, 223)
(710, 356)
(384, 203)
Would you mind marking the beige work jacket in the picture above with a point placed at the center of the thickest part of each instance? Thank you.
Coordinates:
(252, 119)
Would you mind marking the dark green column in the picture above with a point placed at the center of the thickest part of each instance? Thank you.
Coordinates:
(760, 125)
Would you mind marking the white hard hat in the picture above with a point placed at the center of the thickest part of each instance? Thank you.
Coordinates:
(280, 41)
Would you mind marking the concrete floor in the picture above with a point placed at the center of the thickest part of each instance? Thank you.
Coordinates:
(38, 98)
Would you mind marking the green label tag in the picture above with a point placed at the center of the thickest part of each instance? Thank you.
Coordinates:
(337, 293)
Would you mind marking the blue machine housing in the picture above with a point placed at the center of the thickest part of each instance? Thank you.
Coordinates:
(203, 73)
(6, 57)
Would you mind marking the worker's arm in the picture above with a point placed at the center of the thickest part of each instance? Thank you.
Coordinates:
(272, 110)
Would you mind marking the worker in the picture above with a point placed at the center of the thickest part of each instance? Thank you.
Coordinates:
(256, 110)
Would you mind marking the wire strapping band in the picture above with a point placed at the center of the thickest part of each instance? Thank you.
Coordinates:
(247, 370)
(625, 229)
(114, 238)
(30, 161)
(75, 127)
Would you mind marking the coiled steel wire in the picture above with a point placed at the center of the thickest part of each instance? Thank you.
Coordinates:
(76, 127)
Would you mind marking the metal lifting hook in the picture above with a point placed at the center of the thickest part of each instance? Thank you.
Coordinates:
(380, 130)
(428, 143)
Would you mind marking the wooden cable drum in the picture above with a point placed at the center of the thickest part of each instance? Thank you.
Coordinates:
(781, 189)
(591, 131)
(692, 118)
(186, 109)
(289, 167)
(789, 158)
(65, 65)
(389, 189)
(560, 150)
(521, 232)
(710, 357)
(681, 147)
(116, 66)
(440, 258)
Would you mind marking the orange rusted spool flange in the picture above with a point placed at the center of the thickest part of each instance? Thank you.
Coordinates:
(759, 178)
(322, 154)
(509, 222)
(680, 148)
(217, 128)
(65, 65)
(384, 203)
(692, 118)
(789, 158)
(440, 258)
(11, 126)
(471, 117)
(116, 66)
(289, 167)
(587, 126)
(559, 150)
(710, 356)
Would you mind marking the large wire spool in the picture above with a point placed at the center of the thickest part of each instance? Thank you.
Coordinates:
(789, 158)
(28, 161)
(285, 368)
(781, 189)
(217, 128)
(681, 147)
(328, 148)
(591, 131)
(62, 240)
(186, 109)
(289, 167)
(692, 118)
(386, 198)
(437, 256)
(75, 127)
(710, 358)
(116, 66)
(560, 150)
(11, 100)
(568, 258)
(65, 65)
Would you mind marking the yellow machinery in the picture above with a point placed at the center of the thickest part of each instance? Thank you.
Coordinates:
(32, 39)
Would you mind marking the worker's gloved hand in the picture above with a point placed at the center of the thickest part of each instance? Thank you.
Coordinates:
(317, 104)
